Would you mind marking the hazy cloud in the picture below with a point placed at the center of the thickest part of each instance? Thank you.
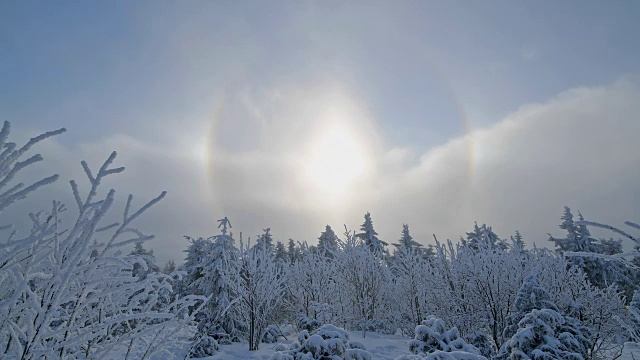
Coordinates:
(578, 149)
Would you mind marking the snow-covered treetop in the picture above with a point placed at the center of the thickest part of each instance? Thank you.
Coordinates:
(578, 236)
(483, 236)
(406, 240)
(328, 242)
(370, 236)
(225, 223)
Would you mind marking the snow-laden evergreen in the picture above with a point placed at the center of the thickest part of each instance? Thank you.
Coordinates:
(328, 242)
(600, 272)
(542, 332)
(530, 296)
(483, 236)
(370, 237)
(209, 265)
(326, 342)
(433, 338)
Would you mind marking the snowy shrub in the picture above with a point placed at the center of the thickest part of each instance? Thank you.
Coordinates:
(483, 342)
(305, 323)
(357, 354)
(432, 336)
(257, 282)
(207, 328)
(538, 338)
(454, 355)
(356, 345)
(530, 296)
(271, 334)
(543, 332)
(70, 293)
(442, 355)
(206, 346)
(327, 342)
(281, 347)
(379, 326)
(365, 286)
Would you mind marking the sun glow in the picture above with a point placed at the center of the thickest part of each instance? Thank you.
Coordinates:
(336, 160)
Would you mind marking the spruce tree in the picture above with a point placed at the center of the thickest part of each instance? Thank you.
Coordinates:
(538, 330)
(370, 237)
(328, 242)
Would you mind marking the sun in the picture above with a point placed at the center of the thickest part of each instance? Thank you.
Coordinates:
(336, 160)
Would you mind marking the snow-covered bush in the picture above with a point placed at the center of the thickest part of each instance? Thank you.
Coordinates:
(483, 342)
(542, 331)
(442, 355)
(411, 271)
(538, 338)
(70, 293)
(305, 323)
(312, 285)
(271, 334)
(432, 336)
(326, 342)
(258, 283)
(205, 346)
(364, 285)
(530, 296)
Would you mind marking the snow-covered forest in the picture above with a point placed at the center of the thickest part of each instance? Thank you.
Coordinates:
(84, 283)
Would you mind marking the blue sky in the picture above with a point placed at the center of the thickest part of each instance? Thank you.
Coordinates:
(421, 74)
(423, 66)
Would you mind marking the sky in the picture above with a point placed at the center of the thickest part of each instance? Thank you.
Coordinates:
(296, 114)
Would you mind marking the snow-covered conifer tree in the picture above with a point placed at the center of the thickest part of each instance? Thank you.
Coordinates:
(197, 252)
(484, 236)
(219, 264)
(370, 237)
(266, 240)
(328, 242)
(406, 240)
(169, 267)
(293, 251)
(600, 272)
(542, 332)
(530, 296)
(281, 252)
(517, 241)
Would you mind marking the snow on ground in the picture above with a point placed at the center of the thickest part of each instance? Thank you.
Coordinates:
(383, 347)
(631, 351)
